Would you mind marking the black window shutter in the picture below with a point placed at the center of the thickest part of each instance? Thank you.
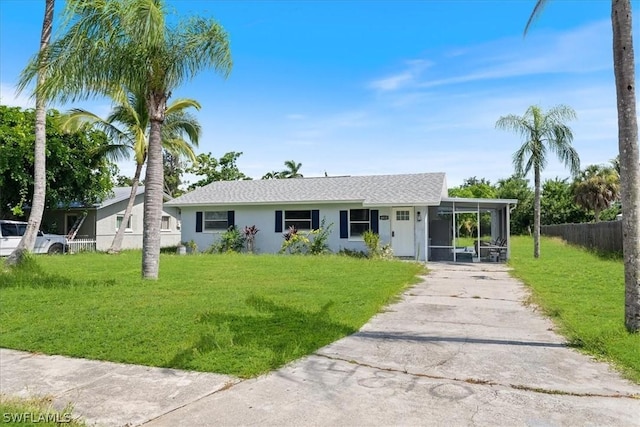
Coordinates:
(374, 221)
(278, 221)
(315, 219)
(198, 222)
(231, 218)
(344, 224)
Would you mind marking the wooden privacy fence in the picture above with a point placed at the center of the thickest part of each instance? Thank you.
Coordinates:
(603, 236)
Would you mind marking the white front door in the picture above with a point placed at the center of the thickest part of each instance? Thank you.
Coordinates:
(402, 232)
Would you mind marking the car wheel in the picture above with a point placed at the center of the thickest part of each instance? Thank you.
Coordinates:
(55, 249)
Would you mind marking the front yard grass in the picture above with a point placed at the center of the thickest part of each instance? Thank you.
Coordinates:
(35, 412)
(584, 295)
(232, 314)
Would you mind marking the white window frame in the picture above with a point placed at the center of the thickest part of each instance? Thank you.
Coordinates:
(298, 220)
(119, 218)
(400, 215)
(368, 222)
(214, 221)
(168, 227)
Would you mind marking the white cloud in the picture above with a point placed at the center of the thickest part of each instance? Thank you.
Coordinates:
(392, 82)
(581, 50)
(414, 68)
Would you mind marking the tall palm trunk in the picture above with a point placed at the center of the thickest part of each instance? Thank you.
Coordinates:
(154, 184)
(536, 212)
(117, 240)
(624, 70)
(39, 164)
(596, 214)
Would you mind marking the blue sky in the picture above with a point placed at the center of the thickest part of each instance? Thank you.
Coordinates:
(377, 87)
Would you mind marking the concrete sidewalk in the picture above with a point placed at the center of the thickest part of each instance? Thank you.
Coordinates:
(458, 349)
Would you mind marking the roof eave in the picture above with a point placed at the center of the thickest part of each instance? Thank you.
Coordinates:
(476, 200)
(264, 203)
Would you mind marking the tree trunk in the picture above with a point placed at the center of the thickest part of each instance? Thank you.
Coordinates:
(153, 193)
(117, 240)
(39, 164)
(624, 70)
(536, 212)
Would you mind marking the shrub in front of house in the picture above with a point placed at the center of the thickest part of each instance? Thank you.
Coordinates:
(231, 240)
(250, 237)
(313, 242)
(372, 241)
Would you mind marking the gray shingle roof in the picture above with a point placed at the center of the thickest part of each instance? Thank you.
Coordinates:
(375, 190)
(119, 194)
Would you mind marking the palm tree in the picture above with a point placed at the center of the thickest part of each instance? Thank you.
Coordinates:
(128, 43)
(624, 72)
(39, 164)
(543, 132)
(292, 170)
(615, 164)
(597, 188)
(133, 116)
(272, 175)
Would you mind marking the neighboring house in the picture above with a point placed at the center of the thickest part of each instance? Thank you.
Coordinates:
(102, 221)
(411, 212)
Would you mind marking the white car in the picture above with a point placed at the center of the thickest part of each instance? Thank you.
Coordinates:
(11, 233)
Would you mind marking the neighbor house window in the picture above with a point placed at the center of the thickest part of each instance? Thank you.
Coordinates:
(301, 220)
(165, 224)
(213, 221)
(216, 220)
(359, 222)
(119, 219)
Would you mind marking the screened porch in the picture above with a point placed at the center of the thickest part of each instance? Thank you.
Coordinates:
(470, 230)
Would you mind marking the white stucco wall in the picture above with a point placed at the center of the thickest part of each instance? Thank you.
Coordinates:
(106, 226)
(270, 241)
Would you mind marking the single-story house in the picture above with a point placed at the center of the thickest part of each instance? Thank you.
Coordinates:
(411, 212)
(101, 221)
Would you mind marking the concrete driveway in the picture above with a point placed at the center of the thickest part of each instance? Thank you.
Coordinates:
(460, 348)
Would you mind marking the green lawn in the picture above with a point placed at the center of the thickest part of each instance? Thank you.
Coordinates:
(35, 413)
(233, 314)
(584, 294)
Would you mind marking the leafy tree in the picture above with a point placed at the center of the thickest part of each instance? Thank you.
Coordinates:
(542, 132)
(123, 181)
(558, 204)
(516, 187)
(77, 170)
(624, 72)
(128, 126)
(212, 169)
(596, 189)
(129, 44)
(40, 169)
(474, 188)
(173, 170)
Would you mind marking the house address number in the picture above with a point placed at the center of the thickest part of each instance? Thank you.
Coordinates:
(384, 217)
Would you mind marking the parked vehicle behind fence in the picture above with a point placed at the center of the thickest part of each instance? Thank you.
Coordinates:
(11, 233)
